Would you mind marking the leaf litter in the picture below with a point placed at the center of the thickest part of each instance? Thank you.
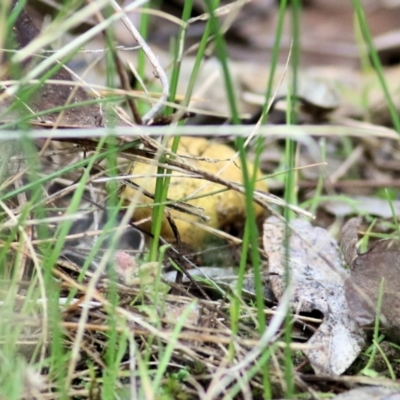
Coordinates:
(319, 269)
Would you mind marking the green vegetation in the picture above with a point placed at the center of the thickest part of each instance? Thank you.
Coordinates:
(72, 324)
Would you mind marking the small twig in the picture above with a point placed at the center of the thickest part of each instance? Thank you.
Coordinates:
(92, 51)
(159, 71)
(123, 77)
(23, 261)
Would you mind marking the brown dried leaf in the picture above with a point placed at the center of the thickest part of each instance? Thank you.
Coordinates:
(317, 274)
(368, 271)
(348, 240)
(49, 96)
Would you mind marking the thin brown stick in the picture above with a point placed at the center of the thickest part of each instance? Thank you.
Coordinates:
(159, 71)
(123, 76)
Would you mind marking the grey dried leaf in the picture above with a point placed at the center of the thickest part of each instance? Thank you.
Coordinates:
(360, 204)
(227, 278)
(317, 274)
(370, 393)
